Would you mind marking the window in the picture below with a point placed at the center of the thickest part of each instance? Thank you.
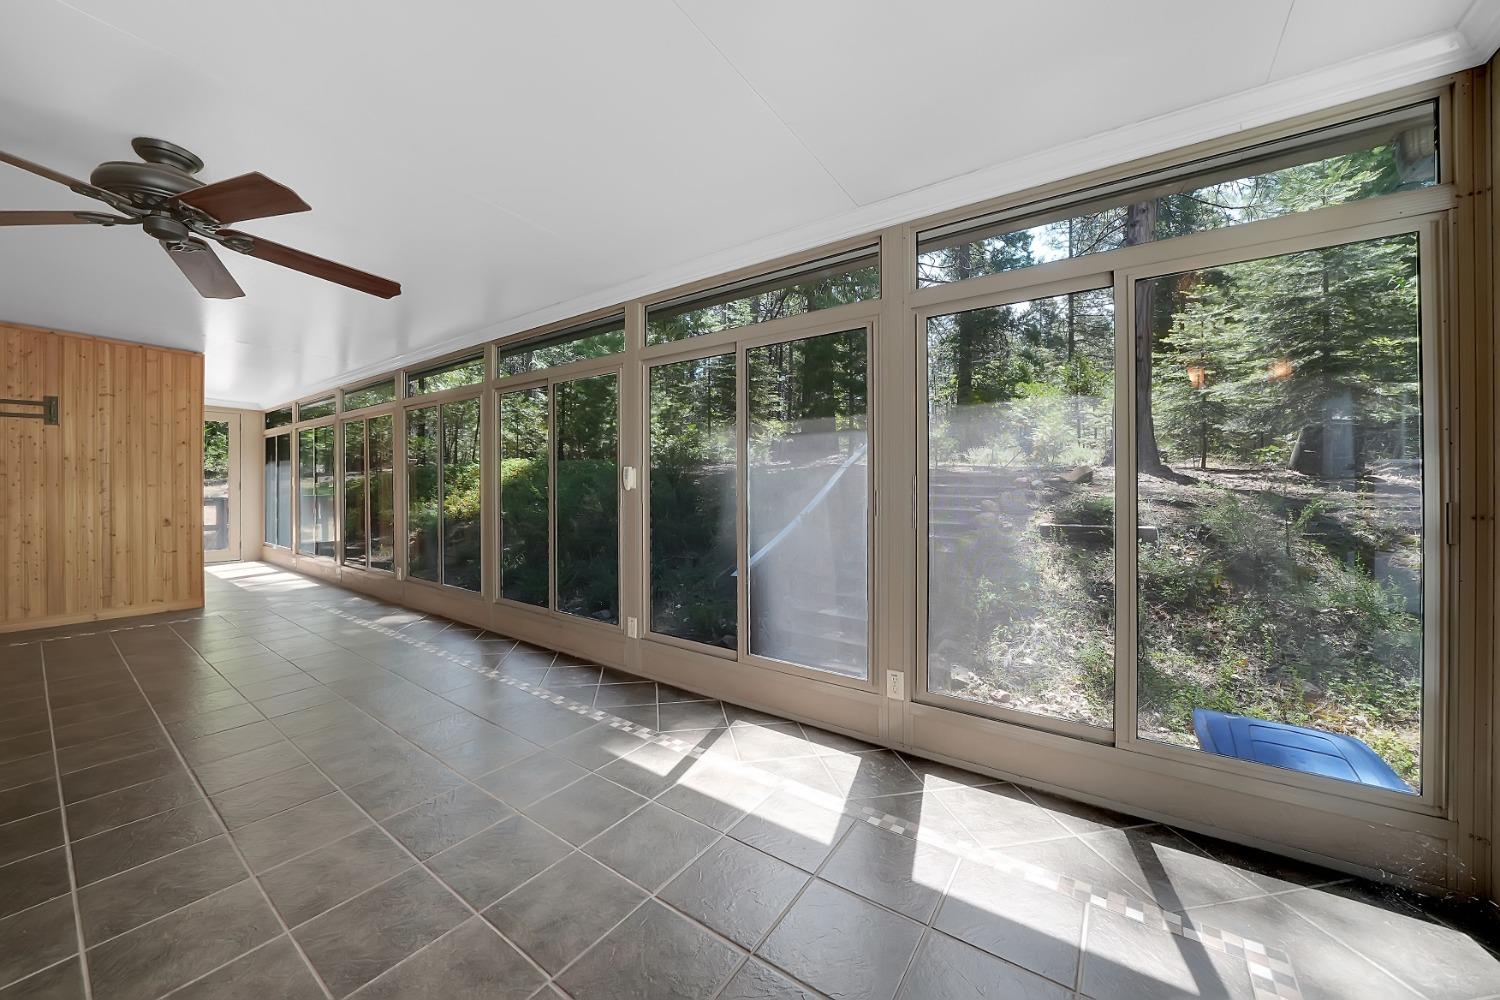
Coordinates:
(279, 418)
(316, 409)
(443, 494)
(355, 482)
(1280, 472)
(524, 493)
(592, 341)
(833, 281)
(217, 495)
(1384, 153)
(692, 466)
(807, 490)
(462, 545)
(588, 498)
(371, 395)
(316, 492)
(278, 490)
(451, 375)
(382, 491)
(424, 489)
(1020, 506)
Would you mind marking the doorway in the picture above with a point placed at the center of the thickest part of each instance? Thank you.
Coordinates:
(221, 486)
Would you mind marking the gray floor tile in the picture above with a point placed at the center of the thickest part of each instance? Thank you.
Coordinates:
(182, 945)
(209, 723)
(363, 937)
(792, 829)
(450, 731)
(33, 939)
(486, 753)
(655, 953)
(127, 900)
(892, 870)
(316, 882)
(470, 962)
(651, 845)
(531, 778)
(675, 716)
(879, 772)
(112, 748)
(1127, 960)
(25, 837)
(491, 864)
(127, 805)
(298, 830)
(398, 790)
(1000, 815)
(256, 800)
(1007, 915)
(439, 823)
(28, 800)
(24, 884)
(63, 981)
(249, 766)
(207, 749)
(562, 911)
(26, 771)
(585, 809)
(597, 746)
(716, 792)
(946, 969)
(144, 840)
(736, 890)
(649, 770)
(1176, 873)
(274, 971)
(759, 981)
(842, 944)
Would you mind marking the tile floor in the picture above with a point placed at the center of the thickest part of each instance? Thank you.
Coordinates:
(300, 792)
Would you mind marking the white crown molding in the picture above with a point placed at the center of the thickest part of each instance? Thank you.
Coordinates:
(1366, 76)
(1480, 27)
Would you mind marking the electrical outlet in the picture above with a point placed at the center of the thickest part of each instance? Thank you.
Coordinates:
(895, 685)
(632, 628)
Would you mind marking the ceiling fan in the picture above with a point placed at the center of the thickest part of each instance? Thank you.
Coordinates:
(161, 195)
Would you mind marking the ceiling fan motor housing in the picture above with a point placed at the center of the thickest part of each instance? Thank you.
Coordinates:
(167, 171)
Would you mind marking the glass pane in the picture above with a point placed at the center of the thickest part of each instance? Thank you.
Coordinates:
(807, 487)
(1280, 473)
(370, 395)
(382, 492)
(215, 485)
(284, 491)
(841, 280)
(469, 371)
(462, 547)
(314, 410)
(1396, 152)
(354, 492)
(593, 342)
(279, 418)
(269, 493)
(693, 500)
(1020, 502)
(588, 498)
(423, 490)
(523, 496)
(316, 491)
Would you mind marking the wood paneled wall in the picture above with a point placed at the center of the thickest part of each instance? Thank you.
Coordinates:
(101, 515)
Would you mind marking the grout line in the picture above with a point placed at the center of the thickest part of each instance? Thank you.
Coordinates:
(31, 975)
(62, 813)
(234, 846)
(198, 979)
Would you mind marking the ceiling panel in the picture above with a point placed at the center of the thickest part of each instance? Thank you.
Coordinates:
(1323, 32)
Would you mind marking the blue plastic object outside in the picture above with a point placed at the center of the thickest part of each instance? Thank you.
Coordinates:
(1296, 748)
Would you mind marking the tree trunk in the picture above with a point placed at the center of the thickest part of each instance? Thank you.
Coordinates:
(1140, 224)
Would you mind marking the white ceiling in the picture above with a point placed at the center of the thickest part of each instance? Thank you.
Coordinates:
(512, 164)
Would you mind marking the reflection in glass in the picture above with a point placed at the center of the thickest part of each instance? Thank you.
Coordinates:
(315, 409)
(692, 532)
(807, 485)
(1391, 152)
(1021, 506)
(284, 490)
(354, 493)
(278, 418)
(423, 492)
(588, 500)
(523, 496)
(316, 491)
(462, 547)
(382, 486)
(269, 491)
(370, 395)
(215, 485)
(1280, 475)
(594, 341)
(469, 371)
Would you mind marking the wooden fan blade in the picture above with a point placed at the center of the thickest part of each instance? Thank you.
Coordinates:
(249, 196)
(200, 265)
(46, 219)
(318, 267)
(82, 187)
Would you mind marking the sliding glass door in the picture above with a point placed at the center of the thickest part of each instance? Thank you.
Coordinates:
(221, 486)
(443, 494)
